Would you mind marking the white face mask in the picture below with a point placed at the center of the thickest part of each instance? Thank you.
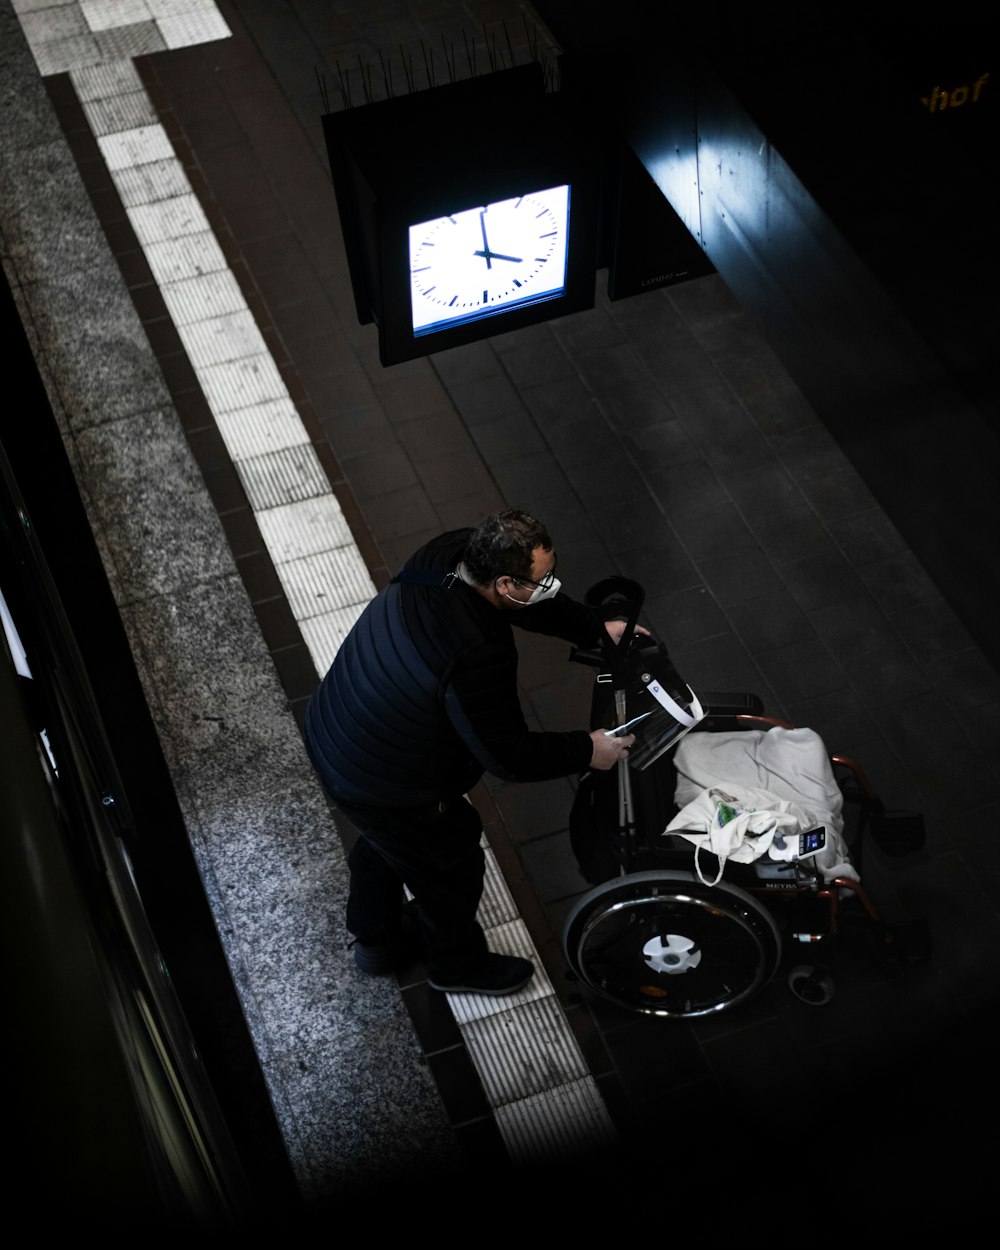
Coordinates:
(537, 595)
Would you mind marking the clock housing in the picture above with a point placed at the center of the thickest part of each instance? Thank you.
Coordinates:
(489, 184)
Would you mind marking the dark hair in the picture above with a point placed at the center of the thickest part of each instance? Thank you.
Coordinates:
(502, 544)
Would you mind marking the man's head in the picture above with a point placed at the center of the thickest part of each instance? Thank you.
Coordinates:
(509, 556)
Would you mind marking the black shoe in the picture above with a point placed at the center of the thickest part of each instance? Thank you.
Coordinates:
(380, 958)
(498, 974)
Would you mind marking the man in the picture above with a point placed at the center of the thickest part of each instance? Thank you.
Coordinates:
(420, 701)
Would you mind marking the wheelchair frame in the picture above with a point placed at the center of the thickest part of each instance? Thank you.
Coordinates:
(655, 938)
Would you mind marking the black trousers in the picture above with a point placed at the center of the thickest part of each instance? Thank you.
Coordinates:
(435, 852)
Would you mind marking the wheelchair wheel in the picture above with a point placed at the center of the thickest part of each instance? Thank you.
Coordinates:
(666, 944)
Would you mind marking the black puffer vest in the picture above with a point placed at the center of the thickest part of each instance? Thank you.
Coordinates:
(421, 698)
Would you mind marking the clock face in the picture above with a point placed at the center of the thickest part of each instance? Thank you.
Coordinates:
(489, 259)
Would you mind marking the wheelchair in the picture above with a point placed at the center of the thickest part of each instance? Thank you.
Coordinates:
(664, 932)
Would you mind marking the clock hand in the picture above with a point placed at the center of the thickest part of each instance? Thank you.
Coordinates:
(486, 244)
(499, 256)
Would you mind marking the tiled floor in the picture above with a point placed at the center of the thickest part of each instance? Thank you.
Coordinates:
(658, 437)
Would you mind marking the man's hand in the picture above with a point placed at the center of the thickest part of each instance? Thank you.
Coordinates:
(608, 751)
(617, 628)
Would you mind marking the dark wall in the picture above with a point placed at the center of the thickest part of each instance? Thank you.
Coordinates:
(846, 208)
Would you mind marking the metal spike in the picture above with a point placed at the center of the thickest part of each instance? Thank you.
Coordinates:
(529, 32)
(345, 87)
(510, 46)
(366, 85)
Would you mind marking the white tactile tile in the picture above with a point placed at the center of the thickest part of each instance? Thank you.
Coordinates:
(119, 114)
(31, 6)
(59, 56)
(140, 39)
(53, 24)
(554, 1125)
(496, 906)
(100, 82)
(523, 1050)
(222, 339)
(283, 476)
(167, 219)
(266, 427)
(134, 147)
(323, 635)
(190, 28)
(201, 298)
(305, 528)
(178, 8)
(153, 181)
(102, 14)
(176, 260)
(237, 383)
(316, 584)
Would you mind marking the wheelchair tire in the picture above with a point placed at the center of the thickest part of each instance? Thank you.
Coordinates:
(665, 944)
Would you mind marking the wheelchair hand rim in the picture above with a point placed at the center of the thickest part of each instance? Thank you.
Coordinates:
(665, 944)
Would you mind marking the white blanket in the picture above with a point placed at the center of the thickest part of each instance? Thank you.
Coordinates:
(775, 777)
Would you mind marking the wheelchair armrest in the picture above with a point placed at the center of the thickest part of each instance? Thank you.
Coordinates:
(722, 708)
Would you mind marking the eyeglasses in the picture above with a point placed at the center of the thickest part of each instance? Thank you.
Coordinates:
(544, 584)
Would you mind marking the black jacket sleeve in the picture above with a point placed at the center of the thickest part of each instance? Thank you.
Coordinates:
(483, 706)
(560, 617)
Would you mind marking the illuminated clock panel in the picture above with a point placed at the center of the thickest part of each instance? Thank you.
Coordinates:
(488, 259)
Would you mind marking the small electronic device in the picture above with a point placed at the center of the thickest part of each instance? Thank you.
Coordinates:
(811, 842)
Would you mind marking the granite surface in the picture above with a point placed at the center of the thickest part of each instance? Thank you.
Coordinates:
(341, 1063)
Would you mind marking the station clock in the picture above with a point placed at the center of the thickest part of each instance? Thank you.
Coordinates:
(466, 210)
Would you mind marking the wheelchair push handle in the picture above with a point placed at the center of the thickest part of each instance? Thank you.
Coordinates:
(615, 599)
